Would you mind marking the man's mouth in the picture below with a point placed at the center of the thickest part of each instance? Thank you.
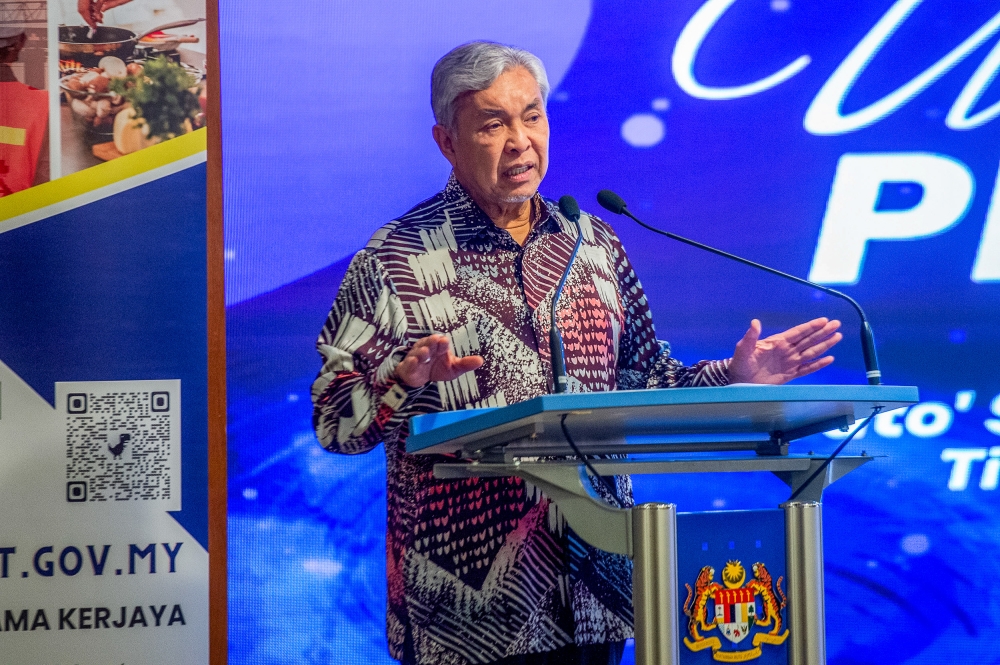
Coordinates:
(517, 172)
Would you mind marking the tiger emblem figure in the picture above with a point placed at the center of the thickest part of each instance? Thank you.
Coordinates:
(735, 611)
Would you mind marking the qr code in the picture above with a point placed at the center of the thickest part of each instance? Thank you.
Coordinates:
(122, 441)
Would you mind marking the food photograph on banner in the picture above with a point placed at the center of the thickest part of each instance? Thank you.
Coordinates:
(129, 77)
(132, 80)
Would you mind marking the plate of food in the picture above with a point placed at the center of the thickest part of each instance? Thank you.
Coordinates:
(89, 94)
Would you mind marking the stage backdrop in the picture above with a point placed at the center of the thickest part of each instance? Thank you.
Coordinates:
(853, 142)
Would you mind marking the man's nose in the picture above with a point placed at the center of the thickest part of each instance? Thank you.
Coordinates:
(517, 140)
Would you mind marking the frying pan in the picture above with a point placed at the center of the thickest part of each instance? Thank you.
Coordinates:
(76, 44)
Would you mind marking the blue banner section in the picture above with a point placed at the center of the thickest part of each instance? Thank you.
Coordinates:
(855, 144)
(115, 291)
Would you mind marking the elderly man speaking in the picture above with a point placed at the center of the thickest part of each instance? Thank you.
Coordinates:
(447, 308)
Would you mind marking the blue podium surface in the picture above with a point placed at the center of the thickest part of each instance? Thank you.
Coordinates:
(735, 417)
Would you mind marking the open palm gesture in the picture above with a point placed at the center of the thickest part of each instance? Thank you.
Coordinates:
(431, 359)
(780, 358)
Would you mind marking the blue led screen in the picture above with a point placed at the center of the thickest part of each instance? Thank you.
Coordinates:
(853, 142)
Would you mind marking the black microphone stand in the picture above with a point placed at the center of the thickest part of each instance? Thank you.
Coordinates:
(614, 203)
(571, 211)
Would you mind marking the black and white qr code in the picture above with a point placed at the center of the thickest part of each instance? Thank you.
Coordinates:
(122, 441)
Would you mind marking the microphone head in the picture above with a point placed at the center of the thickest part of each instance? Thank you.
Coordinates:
(569, 208)
(611, 201)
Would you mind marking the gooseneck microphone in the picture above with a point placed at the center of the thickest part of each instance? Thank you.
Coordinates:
(570, 209)
(611, 201)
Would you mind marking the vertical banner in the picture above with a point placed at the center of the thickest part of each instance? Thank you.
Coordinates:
(104, 334)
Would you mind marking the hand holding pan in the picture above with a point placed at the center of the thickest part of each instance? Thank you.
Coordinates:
(76, 44)
(92, 11)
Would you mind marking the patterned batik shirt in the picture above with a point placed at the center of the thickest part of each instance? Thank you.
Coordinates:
(483, 568)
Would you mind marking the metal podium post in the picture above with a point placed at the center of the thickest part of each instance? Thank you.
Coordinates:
(804, 565)
(654, 583)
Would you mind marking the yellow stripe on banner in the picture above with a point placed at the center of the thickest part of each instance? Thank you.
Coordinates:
(12, 135)
(108, 173)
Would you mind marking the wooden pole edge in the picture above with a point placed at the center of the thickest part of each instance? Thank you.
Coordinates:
(217, 452)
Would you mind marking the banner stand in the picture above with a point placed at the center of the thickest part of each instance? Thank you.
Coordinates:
(217, 484)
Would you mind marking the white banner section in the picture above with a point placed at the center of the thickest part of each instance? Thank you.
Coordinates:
(93, 569)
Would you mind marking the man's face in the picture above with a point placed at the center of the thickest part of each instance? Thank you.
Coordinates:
(499, 143)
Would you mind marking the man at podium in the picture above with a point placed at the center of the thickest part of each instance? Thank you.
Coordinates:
(448, 307)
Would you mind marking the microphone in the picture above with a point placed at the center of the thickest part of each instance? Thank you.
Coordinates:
(611, 201)
(570, 209)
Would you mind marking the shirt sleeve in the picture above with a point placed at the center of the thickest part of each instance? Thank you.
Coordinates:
(644, 361)
(668, 372)
(637, 345)
(357, 401)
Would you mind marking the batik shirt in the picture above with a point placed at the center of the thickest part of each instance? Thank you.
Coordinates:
(483, 568)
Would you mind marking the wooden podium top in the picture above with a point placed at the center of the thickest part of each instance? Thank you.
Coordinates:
(734, 417)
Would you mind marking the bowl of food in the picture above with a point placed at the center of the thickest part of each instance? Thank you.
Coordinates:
(89, 95)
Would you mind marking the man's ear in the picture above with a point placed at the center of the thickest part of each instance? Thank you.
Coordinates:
(445, 143)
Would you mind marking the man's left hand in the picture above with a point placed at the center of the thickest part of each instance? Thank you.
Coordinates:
(780, 358)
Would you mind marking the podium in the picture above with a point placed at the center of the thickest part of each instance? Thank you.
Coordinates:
(736, 428)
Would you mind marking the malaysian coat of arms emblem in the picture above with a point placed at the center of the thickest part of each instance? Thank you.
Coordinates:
(735, 612)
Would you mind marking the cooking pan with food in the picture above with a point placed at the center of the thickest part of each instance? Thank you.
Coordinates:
(86, 46)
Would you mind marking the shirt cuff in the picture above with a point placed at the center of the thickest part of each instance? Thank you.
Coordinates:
(721, 370)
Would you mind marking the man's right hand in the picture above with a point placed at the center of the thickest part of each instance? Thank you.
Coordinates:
(431, 359)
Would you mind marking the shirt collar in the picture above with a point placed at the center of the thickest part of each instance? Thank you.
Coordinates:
(474, 228)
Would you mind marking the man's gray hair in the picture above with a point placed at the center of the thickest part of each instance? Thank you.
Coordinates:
(473, 67)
